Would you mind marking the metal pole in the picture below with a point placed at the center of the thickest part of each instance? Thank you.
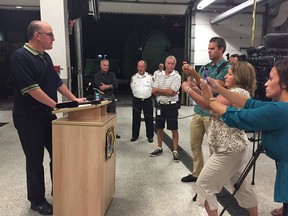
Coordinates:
(79, 55)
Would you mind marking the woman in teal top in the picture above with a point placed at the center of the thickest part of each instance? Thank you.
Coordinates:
(269, 117)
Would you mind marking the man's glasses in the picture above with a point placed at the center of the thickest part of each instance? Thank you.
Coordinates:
(50, 34)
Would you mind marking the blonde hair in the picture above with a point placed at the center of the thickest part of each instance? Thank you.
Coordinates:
(244, 76)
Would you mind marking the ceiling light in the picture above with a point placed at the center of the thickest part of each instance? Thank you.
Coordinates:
(18, 7)
(235, 10)
(204, 3)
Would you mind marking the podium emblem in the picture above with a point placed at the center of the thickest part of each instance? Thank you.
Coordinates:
(110, 143)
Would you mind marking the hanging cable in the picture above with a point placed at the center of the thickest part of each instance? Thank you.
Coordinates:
(253, 23)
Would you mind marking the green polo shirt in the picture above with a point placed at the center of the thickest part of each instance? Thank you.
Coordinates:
(213, 73)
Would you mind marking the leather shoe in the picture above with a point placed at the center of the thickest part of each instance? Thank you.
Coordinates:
(133, 139)
(189, 178)
(150, 140)
(118, 136)
(44, 208)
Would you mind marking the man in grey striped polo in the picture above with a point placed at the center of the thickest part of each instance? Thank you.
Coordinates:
(166, 89)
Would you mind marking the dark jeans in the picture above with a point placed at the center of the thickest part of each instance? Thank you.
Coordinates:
(111, 107)
(147, 107)
(34, 128)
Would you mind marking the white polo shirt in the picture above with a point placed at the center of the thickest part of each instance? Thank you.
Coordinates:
(141, 85)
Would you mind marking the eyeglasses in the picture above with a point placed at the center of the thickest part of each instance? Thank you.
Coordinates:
(50, 34)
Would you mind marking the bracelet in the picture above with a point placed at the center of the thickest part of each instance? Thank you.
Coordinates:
(211, 99)
(188, 90)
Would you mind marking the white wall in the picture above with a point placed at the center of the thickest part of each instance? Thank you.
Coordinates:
(55, 13)
(236, 31)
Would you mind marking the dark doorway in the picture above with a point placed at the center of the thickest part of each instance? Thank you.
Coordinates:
(125, 39)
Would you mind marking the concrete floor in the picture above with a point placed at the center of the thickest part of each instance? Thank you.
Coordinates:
(144, 185)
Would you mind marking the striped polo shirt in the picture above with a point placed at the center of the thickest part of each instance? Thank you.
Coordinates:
(172, 81)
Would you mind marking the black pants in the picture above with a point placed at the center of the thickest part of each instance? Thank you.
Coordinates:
(147, 107)
(35, 132)
(111, 107)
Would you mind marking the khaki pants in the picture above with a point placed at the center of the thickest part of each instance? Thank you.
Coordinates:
(198, 127)
(222, 169)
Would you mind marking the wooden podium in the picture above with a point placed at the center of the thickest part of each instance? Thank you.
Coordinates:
(83, 173)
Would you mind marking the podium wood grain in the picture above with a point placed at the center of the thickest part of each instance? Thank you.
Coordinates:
(83, 180)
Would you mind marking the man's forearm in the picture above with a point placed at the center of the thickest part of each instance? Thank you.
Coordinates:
(39, 95)
(66, 92)
(166, 92)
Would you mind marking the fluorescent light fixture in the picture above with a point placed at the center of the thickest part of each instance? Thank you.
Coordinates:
(18, 7)
(235, 10)
(204, 3)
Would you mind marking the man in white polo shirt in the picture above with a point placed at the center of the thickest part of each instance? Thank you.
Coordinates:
(166, 89)
(141, 86)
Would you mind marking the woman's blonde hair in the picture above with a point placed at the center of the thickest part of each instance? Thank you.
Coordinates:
(244, 76)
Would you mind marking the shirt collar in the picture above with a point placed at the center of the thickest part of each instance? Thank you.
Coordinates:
(144, 75)
(218, 63)
(33, 51)
(172, 73)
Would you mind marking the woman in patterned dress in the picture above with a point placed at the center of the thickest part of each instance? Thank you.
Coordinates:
(228, 146)
(269, 117)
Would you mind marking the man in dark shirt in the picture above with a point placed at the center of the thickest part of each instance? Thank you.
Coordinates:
(106, 82)
(35, 95)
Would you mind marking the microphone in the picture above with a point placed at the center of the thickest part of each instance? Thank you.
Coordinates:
(88, 86)
(98, 90)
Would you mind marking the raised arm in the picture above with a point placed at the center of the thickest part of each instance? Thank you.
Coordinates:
(192, 90)
(189, 70)
(217, 106)
(236, 99)
(196, 94)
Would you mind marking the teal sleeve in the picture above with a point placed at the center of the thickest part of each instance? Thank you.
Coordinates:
(271, 116)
